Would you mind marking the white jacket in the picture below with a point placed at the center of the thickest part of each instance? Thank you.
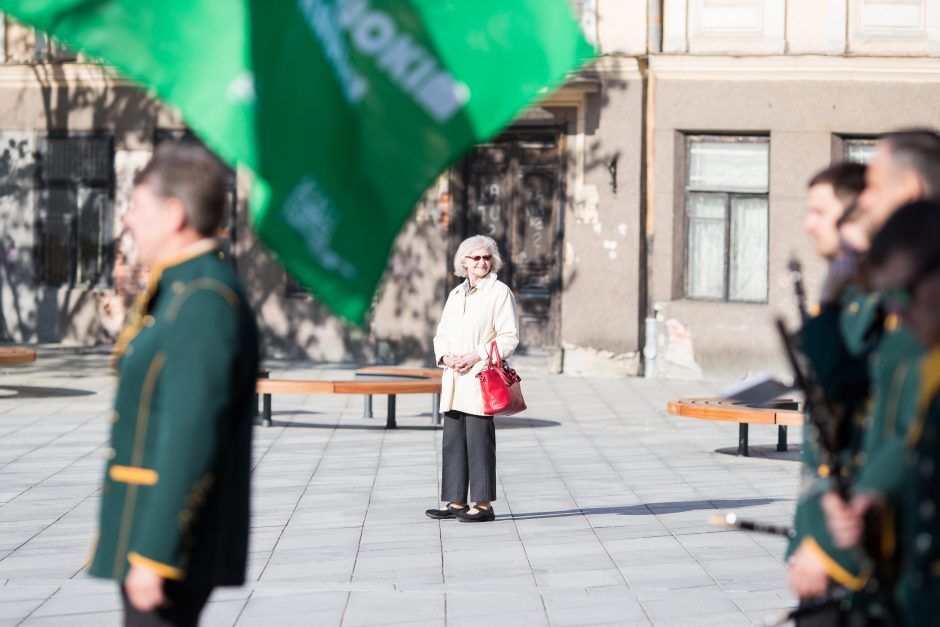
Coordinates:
(472, 319)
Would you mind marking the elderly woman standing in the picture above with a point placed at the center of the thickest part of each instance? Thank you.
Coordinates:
(478, 311)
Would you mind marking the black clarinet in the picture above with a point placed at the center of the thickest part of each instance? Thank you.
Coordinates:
(821, 417)
(817, 409)
(796, 277)
(733, 522)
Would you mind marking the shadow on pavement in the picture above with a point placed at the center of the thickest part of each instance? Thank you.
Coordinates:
(30, 391)
(644, 509)
(769, 451)
(502, 422)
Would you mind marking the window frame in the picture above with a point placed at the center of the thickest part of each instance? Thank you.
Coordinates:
(44, 186)
(689, 139)
(857, 140)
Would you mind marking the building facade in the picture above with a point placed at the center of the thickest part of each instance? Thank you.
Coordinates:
(653, 202)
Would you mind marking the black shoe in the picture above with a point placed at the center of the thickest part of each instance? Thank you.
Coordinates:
(449, 512)
(482, 515)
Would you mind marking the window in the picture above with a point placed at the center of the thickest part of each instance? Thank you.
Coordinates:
(586, 14)
(726, 218)
(75, 203)
(50, 50)
(859, 150)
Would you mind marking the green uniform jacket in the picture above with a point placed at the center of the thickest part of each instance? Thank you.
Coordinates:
(919, 583)
(176, 486)
(843, 373)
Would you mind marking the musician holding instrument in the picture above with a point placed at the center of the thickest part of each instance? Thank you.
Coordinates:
(816, 564)
(878, 402)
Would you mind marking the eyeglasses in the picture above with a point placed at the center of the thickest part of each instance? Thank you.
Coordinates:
(479, 257)
(901, 297)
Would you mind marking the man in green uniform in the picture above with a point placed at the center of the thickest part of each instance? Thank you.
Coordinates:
(855, 330)
(174, 505)
(815, 563)
(905, 257)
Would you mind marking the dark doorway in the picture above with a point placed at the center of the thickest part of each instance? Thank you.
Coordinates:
(512, 189)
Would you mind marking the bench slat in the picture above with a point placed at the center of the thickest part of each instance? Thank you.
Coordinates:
(724, 411)
(15, 355)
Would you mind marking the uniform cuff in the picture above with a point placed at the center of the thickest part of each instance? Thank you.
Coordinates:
(164, 570)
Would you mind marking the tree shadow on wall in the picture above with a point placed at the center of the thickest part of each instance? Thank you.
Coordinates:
(29, 309)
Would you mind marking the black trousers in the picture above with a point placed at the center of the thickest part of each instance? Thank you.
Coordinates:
(469, 458)
(181, 609)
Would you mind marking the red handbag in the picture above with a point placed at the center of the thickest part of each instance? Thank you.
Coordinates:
(500, 385)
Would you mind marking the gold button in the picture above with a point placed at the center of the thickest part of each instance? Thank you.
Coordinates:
(110, 453)
(853, 309)
(113, 417)
(149, 320)
(179, 287)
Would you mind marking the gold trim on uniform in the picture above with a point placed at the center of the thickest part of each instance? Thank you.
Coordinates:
(929, 388)
(142, 304)
(143, 417)
(205, 283)
(894, 400)
(164, 570)
(892, 323)
(134, 475)
(833, 568)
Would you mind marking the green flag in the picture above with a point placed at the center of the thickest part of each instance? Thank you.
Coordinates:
(345, 110)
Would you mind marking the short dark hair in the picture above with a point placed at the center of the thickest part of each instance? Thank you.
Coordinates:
(190, 173)
(912, 229)
(847, 179)
(918, 151)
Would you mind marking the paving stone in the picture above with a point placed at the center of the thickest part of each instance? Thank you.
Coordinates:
(602, 511)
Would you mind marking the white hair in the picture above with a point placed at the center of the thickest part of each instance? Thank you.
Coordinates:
(471, 244)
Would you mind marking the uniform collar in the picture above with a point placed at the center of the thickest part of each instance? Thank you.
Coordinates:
(196, 249)
(141, 306)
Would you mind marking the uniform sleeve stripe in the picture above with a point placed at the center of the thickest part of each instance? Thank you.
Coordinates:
(833, 568)
(164, 570)
(134, 474)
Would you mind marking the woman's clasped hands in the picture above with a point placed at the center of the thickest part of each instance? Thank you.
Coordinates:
(461, 363)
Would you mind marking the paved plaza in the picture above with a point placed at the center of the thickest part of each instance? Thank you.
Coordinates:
(603, 509)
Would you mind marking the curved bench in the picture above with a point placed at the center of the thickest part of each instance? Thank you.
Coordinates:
(782, 413)
(10, 355)
(394, 381)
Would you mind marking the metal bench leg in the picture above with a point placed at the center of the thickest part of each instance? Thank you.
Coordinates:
(262, 374)
(782, 438)
(742, 439)
(390, 421)
(266, 413)
(436, 408)
(367, 406)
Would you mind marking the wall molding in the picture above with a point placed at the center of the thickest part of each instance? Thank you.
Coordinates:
(72, 74)
(791, 67)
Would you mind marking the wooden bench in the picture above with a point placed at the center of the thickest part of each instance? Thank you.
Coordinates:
(384, 380)
(782, 413)
(10, 355)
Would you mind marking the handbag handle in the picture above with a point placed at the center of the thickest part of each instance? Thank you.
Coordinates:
(489, 355)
